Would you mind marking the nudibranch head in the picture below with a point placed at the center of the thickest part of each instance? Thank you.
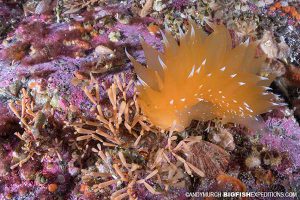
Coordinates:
(202, 77)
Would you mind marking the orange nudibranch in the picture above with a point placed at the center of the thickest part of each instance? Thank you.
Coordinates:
(201, 77)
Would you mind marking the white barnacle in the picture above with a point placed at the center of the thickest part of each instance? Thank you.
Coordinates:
(223, 97)
(242, 83)
(209, 74)
(234, 101)
(204, 61)
(172, 102)
(183, 99)
(220, 92)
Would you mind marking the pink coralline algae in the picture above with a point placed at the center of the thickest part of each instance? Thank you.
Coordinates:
(10, 15)
(36, 42)
(32, 179)
(177, 4)
(284, 136)
(7, 121)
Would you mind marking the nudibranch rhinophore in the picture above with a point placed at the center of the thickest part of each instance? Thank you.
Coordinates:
(201, 77)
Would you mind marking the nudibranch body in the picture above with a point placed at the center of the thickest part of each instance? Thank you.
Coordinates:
(202, 77)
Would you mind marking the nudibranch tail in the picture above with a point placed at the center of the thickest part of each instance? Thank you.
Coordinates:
(202, 77)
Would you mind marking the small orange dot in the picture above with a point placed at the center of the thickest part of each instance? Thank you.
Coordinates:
(272, 8)
(286, 9)
(293, 9)
(32, 85)
(294, 13)
(52, 187)
(9, 196)
(83, 188)
(277, 5)
(153, 29)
